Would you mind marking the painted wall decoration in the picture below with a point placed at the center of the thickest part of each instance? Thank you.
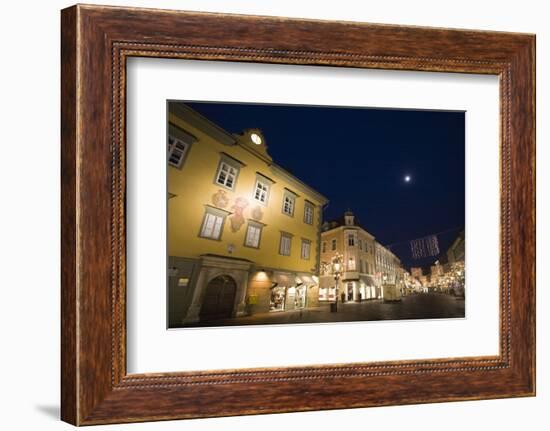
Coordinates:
(257, 213)
(237, 219)
(220, 199)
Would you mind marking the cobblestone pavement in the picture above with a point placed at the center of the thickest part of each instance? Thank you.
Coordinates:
(416, 306)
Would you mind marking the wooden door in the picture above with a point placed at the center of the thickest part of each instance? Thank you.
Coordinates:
(219, 298)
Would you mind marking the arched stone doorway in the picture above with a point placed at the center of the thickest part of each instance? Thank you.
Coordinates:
(219, 299)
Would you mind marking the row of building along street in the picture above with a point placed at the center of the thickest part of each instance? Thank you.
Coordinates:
(247, 243)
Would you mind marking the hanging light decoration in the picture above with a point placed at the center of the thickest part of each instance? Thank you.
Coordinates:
(427, 246)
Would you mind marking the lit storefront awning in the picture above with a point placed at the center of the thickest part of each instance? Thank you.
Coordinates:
(368, 280)
(306, 280)
(283, 279)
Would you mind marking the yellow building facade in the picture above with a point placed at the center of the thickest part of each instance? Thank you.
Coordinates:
(243, 233)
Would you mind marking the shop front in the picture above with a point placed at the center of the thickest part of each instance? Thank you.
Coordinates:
(296, 298)
(368, 287)
(350, 292)
(327, 289)
(357, 290)
(307, 291)
(300, 296)
(292, 291)
(284, 293)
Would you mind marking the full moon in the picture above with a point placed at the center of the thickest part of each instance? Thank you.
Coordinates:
(407, 178)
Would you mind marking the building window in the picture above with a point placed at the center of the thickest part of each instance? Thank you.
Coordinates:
(212, 224)
(288, 204)
(227, 174)
(177, 151)
(253, 234)
(333, 245)
(351, 240)
(351, 264)
(284, 245)
(261, 191)
(308, 213)
(306, 249)
(360, 245)
(327, 293)
(324, 247)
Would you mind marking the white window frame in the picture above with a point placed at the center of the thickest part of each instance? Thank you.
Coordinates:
(351, 240)
(291, 199)
(224, 162)
(258, 186)
(285, 251)
(174, 150)
(309, 212)
(351, 264)
(257, 235)
(212, 224)
(305, 252)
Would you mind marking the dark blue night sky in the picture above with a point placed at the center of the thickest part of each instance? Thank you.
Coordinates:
(358, 158)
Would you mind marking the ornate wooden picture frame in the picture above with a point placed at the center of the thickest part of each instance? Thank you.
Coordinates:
(96, 41)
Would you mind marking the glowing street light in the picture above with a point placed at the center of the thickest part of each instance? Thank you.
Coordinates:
(337, 268)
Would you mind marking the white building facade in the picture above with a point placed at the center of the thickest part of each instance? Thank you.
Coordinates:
(356, 248)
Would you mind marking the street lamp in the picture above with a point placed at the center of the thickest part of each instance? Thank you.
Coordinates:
(337, 272)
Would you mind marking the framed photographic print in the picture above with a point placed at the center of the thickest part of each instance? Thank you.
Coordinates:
(322, 214)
